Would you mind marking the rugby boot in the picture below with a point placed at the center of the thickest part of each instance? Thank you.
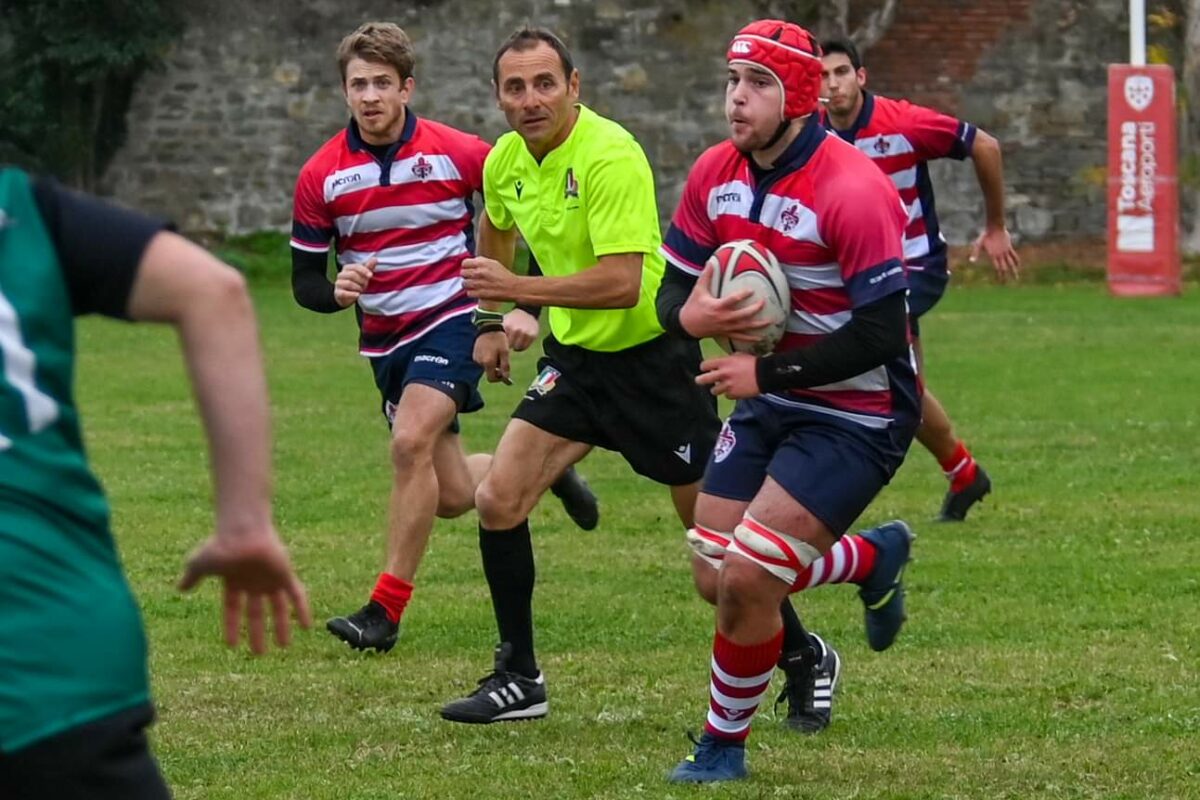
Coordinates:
(957, 504)
(365, 629)
(714, 759)
(578, 499)
(811, 678)
(500, 696)
(882, 593)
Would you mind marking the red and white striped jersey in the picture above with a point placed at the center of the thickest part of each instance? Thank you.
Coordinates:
(412, 211)
(900, 138)
(835, 223)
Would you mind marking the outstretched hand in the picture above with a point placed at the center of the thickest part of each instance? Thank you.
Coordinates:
(257, 572)
(997, 243)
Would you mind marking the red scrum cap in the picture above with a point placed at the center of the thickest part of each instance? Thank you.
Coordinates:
(789, 53)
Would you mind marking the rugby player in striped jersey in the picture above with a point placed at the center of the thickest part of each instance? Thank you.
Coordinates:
(901, 138)
(393, 193)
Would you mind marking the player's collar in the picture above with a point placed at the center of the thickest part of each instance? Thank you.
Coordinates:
(801, 149)
(355, 141)
(862, 120)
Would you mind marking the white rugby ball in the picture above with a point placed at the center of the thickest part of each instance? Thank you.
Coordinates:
(746, 265)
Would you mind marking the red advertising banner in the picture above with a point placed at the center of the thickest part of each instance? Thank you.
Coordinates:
(1143, 190)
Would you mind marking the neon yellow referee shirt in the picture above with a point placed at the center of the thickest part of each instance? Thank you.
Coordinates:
(591, 196)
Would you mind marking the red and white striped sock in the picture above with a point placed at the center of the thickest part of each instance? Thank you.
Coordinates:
(741, 676)
(850, 560)
(959, 468)
(393, 594)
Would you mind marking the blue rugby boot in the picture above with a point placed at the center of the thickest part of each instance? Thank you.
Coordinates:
(882, 593)
(713, 760)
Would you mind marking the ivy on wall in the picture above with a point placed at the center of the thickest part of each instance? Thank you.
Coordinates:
(67, 73)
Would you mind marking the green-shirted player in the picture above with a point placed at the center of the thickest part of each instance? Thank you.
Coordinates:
(74, 695)
(579, 189)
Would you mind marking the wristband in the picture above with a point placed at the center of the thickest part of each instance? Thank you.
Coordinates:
(481, 318)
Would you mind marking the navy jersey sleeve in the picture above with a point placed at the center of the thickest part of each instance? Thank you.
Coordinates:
(99, 246)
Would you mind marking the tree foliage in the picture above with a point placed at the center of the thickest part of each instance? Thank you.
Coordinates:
(67, 73)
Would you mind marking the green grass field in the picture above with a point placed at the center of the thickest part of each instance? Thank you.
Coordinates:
(1052, 649)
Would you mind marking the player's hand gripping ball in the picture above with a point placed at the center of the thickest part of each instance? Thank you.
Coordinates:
(746, 265)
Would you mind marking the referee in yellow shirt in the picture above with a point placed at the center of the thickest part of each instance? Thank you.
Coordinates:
(579, 190)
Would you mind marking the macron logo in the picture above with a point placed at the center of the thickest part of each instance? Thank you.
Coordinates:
(342, 181)
(685, 453)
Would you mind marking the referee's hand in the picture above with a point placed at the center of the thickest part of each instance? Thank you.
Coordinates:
(488, 279)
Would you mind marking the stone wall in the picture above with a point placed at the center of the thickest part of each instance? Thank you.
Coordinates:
(216, 137)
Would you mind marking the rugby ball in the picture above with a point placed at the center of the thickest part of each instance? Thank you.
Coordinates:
(743, 265)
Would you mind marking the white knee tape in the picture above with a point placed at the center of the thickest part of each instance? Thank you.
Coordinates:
(780, 554)
(710, 545)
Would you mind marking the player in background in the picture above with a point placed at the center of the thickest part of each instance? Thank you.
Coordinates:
(74, 693)
(394, 193)
(822, 423)
(901, 138)
(580, 191)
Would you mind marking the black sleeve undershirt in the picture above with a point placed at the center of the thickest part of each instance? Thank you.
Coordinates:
(313, 290)
(310, 284)
(99, 246)
(875, 334)
(673, 292)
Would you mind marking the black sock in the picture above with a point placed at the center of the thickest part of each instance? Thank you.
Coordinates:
(508, 566)
(795, 638)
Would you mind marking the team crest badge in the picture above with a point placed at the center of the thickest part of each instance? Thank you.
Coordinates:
(422, 169)
(1139, 92)
(790, 218)
(545, 382)
(726, 441)
(882, 145)
(572, 188)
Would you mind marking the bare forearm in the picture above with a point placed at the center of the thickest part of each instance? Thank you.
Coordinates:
(602, 286)
(989, 171)
(206, 301)
(221, 348)
(498, 245)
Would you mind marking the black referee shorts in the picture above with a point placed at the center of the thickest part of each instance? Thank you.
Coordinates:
(642, 402)
(108, 759)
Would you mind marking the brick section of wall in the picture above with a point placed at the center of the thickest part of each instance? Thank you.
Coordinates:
(934, 47)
